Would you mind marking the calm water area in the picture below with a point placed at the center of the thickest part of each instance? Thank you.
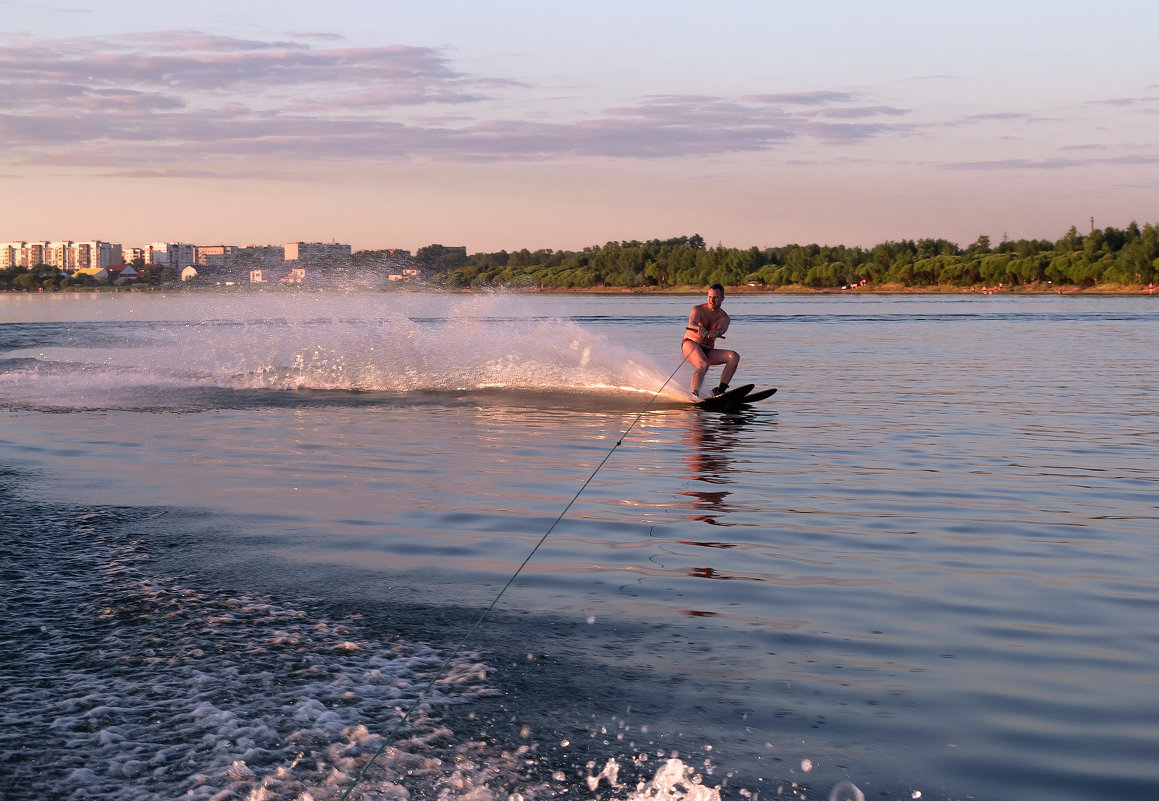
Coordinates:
(239, 533)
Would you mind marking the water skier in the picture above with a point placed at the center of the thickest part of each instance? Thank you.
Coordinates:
(707, 322)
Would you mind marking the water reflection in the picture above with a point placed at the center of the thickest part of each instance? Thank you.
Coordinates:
(710, 439)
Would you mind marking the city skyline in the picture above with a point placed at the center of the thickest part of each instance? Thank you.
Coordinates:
(69, 254)
(508, 125)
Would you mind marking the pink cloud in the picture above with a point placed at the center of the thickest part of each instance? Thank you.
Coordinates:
(801, 98)
(188, 97)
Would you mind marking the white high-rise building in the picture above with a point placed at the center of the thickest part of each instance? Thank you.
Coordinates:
(174, 254)
(158, 253)
(61, 255)
(96, 253)
(10, 254)
(66, 255)
(83, 254)
(24, 254)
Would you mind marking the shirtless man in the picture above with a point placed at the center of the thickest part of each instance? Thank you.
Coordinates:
(706, 323)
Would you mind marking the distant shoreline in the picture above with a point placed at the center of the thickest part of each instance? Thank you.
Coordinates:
(881, 289)
(869, 289)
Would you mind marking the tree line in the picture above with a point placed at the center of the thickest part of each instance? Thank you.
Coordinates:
(47, 277)
(1107, 257)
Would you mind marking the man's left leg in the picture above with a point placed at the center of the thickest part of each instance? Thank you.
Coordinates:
(731, 360)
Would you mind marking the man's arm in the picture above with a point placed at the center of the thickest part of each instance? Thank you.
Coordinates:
(721, 326)
(696, 322)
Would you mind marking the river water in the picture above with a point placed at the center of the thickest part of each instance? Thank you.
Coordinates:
(242, 533)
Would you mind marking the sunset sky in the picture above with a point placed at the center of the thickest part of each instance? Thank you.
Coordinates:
(539, 124)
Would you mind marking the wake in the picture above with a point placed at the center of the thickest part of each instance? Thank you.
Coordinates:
(386, 344)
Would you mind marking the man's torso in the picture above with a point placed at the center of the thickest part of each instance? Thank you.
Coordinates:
(704, 316)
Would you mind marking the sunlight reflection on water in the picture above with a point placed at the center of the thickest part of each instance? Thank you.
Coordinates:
(930, 556)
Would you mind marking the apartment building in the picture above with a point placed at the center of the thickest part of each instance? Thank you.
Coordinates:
(215, 255)
(172, 254)
(97, 254)
(66, 255)
(10, 254)
(316, 252)
(22, 254)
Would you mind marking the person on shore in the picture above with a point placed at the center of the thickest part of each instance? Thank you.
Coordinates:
(707, 323)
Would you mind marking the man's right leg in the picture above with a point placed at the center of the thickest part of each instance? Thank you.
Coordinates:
(694, 354)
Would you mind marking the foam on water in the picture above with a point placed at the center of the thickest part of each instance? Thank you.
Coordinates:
(334, 342)
(127, 686)
(120, 684)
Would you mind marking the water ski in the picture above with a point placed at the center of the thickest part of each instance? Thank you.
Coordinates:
(735, 398)
(759, 395)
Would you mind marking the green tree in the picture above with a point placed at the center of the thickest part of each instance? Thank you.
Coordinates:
(1149, 240)
(159, 274)
(981, 246)
(520, 259)
(797, 263)
(1131, 265)
(1093, 245)
(953, 270)
(1070, 242)
(1075, 268)
(440, 258)
(1029, 269)
(995, 269)
(1130, 255)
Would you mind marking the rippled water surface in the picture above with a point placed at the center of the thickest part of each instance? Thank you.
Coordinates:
(240, 533)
